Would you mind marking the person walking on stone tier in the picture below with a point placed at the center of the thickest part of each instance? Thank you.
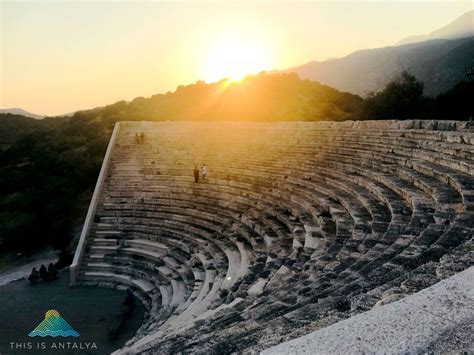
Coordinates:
(137, 139)
(142, 138)
(204, 171)
(196, 174)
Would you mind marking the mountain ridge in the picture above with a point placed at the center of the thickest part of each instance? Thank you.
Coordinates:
(22, 112)
(439, 63)
(461, 27)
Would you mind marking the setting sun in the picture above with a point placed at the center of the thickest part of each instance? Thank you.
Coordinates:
(234, 59)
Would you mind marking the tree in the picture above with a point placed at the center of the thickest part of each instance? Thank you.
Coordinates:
(401, 99)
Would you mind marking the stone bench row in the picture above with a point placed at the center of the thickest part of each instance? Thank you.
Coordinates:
(169, 167)
(173, 296)
(118, 231)
(465, 151)
(369, 155)
(450, 136)
(425, 148)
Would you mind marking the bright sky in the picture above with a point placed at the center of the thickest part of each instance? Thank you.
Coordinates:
(60, 56)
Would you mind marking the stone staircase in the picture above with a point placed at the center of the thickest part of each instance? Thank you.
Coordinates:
(297, 226)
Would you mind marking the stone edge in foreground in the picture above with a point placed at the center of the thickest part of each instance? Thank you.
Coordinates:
(410, 325)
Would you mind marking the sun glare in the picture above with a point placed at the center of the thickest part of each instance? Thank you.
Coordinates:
(235, 59)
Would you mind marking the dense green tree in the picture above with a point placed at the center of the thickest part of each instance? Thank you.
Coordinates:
(400, 99)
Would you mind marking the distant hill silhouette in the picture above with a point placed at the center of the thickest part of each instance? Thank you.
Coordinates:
(462, 27)
(439, 64)
(20, 111)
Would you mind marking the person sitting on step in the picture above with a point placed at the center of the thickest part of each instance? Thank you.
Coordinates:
(43, 273)
(142, 138)
(34, 276)
(204, 171)
(137, 139)
(52, 272)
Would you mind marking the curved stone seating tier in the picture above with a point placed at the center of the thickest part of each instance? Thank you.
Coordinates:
(297, 225)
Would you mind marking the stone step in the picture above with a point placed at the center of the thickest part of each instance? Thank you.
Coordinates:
(143, 285)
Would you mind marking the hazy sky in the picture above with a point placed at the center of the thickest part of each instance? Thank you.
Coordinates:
(61, 56)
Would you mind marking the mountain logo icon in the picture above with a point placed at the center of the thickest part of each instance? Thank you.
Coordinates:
(53, 325)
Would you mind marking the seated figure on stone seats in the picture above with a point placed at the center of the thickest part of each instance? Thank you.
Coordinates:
(137, 139)
(204, 171)
(142, 138)
(52, 272)
(43, 273)
(34, 276)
